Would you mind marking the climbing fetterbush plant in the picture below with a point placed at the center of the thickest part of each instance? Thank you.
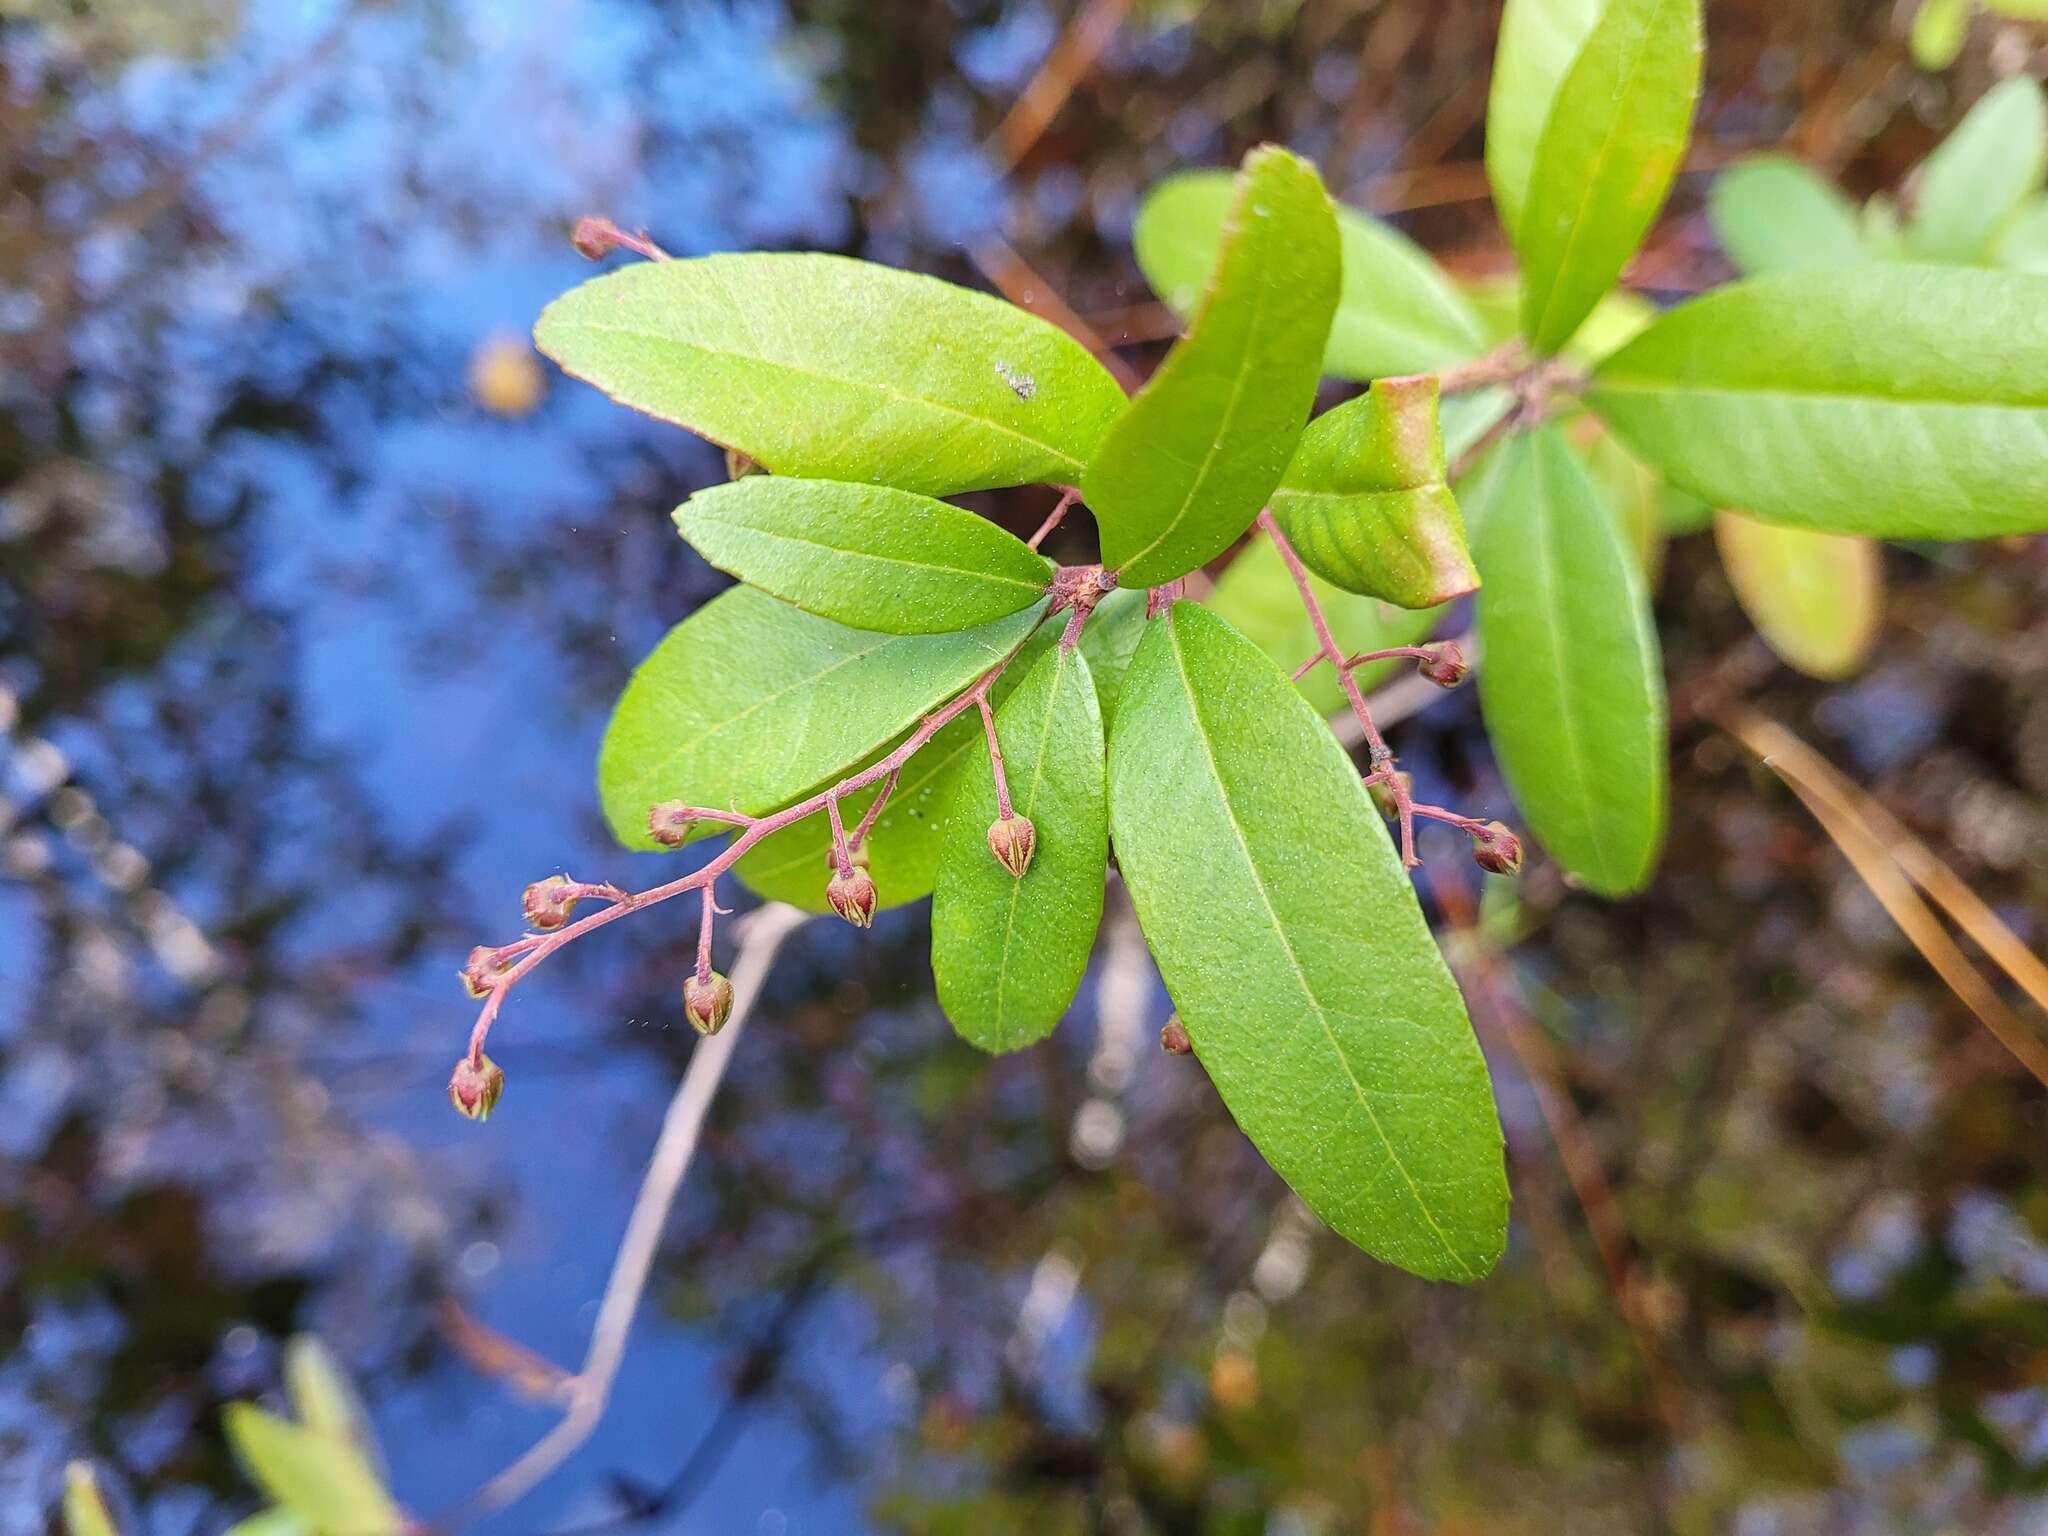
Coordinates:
(901, 699)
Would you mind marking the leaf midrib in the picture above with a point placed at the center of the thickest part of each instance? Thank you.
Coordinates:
(1766, 393)
(1035, 587)
(1301, 976)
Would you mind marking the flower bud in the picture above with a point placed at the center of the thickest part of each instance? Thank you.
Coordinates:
(670, 823)
(1174, 1038)
(1445, 665)
(1497, 850)
(480, 974)
(1012, 839)
(597, 238)
(475, 1087)
(1383, 797)
(708, 1003)
(548, 903)
(853, 897)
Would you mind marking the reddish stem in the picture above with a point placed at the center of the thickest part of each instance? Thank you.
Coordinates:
(842, 856)
(867, 822)
(995, 759)
(1068, 496)
(704, 926)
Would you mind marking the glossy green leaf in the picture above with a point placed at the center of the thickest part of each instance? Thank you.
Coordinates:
(1940, 28)
(1397, 312)
(1257, 596)
(903, 846)
(1539, 40)
(322, 1479)
(1569, 677)
(1609, 150)
(1008, 954)
(1901, 402)
(1632, 491)
(1365, 502)
(1981, 173)
(85, 1512)
(1188, 465)
(843, 370)
(1772, 214)
(1290, 939)
(750, 704)
(1109, 642)
(868, 556)
(1816, 598)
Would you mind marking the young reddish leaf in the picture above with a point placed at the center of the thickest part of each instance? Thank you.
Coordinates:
(838, 369)
(1299, 962)
(1365, 503)
(1008, 953)
(750, 704)
(1397, 311)
(1816, 598)
(1569, 676)
(868, 556)
(1190, 462)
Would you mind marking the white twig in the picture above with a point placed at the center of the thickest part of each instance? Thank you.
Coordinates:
(587, 1393)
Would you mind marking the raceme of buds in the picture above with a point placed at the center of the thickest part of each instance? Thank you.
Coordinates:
(480, 975)
(548, 903)
(1497, 850)
(1445, 664)
(670, 823)
(1383, 797)
(475, 1087)
(708, 1003)
(853, 897)
(1012, 839)
(1174, 1038)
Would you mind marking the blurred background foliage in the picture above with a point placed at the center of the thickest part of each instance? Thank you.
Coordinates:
(315, 590)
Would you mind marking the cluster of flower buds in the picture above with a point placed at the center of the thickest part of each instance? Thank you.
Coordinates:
(549, 902)
(852, 896)
(485, 967)
(1012, 839)
(1173, 1039)
(1496, 850)
(1386, 800)
(671, 823)
(708, 1002)
(1444, 664)
(475, 1088)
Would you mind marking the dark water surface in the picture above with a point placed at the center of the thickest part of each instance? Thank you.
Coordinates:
(314, 596)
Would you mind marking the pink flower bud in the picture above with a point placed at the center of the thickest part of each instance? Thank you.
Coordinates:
(1174, 1038)
(475, 1087)
(853, 897)
(1383, 797)
(548, 902)
(1497, 850)
(670, 823)
(597, 238)
(708, 1003)
(1445, 665)
(1012, 839)
(480, 974)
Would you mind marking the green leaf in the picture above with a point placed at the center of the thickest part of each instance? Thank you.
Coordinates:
(1609, 150)
(2023, 247)
(1290, 939)
(1397, 312)
(1257, 597)
(1008, 954)
(1539, 39)
(85, 1512)
(904, 845)
(1901, 402)
(320, 1478)
(321, 1395)
(274, 1521)
(1633, 492)
(1569, 677)
(838, 369)
(1981, 174)
(1109, 642)
(1365, 502)
(1816, 598)
(869, 556)
(750, 704)
(1940, 27)
(1190, 462)
(1772, 214)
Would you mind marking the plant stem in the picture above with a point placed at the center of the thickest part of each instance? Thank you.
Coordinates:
(995, 758)
(1503, 365)
(1068, 496)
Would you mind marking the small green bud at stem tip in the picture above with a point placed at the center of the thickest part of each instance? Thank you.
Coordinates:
(1012, 839)
(475, 1088)
(853, 897)
(708, 1003)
